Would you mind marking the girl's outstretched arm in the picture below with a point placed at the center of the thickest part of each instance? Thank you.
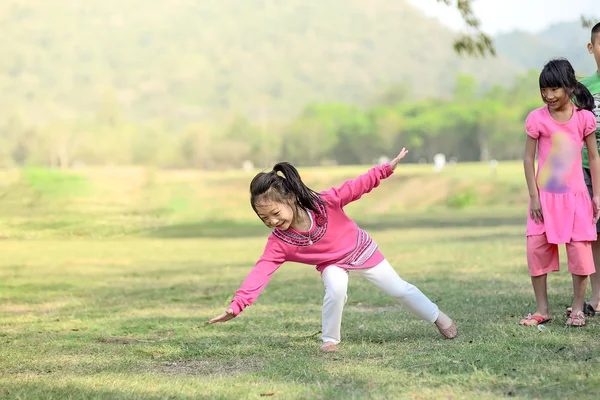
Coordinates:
(256, 281)
(352, 190)
(594, 159)
(535, 207)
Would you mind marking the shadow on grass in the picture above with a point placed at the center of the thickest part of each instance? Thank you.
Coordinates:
(234, 229)
(457, 220)
(211, 229)
(485, 238)
(47, 390)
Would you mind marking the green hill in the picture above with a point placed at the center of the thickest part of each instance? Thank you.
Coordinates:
(188, 59)
(567, 39)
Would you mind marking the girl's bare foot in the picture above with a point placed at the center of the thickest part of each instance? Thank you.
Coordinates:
(446, 326)
(328, 347)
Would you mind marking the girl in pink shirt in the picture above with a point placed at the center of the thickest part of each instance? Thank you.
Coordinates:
(560, 208)
(312, 228)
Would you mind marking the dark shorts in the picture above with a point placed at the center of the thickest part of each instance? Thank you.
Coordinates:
(587, 176)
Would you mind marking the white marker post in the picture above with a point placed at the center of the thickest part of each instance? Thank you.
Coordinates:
(493, 166)
(439, 162)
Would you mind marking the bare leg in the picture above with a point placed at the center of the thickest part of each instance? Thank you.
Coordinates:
(541, 297)
(579, 283)
(577, 318)
(540, 289)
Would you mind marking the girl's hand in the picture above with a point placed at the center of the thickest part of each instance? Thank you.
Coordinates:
(535, 210)
(395, 161)
(222, 318)
(596, 205)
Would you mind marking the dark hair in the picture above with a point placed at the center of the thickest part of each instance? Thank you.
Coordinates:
(275, 187)
(595, 31)
(560, 73)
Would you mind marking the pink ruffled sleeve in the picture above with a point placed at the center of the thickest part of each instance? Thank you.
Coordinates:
(531, 126)
(258, 278)
(589, 122)
(352, 190)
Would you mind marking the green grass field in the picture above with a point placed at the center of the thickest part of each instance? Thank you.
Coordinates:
(107, 277)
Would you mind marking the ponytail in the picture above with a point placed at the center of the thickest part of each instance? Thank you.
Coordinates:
(583, 97)
(305, 196)
(275, 187)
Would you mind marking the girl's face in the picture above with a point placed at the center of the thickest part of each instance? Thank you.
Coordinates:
(275, 214)
(556, 98)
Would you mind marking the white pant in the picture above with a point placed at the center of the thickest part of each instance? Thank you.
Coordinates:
(382, 275)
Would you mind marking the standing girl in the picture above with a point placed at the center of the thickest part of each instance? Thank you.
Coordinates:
(312, 228)
(560, 208)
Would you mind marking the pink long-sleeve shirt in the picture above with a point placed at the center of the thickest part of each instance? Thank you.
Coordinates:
(334, 239)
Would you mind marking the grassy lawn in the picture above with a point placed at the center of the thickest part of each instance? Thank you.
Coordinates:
(107, 278)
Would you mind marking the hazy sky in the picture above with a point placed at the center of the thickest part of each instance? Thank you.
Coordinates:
(498, 16)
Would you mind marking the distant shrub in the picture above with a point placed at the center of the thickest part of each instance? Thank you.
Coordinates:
(55, 184)
(465, 198)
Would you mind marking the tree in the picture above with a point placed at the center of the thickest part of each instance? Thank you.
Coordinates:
(476, 42)
(311, 137)
(587, 22)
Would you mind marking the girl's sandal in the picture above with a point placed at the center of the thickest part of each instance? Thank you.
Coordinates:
(576, 320)
(588, 310)
(534, 320)
(328, 347)
(451, 332)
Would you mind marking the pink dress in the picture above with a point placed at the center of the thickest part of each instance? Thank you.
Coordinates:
(566, 204)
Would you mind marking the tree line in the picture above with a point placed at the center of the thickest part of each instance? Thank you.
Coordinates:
(472, 124)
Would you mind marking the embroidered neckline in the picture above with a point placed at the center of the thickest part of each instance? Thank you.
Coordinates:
(315, 233)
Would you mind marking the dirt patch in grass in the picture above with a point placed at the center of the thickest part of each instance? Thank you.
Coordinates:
(212, 367)
(36, 309)
(15, 309)
(162, 336)
(118, 340)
